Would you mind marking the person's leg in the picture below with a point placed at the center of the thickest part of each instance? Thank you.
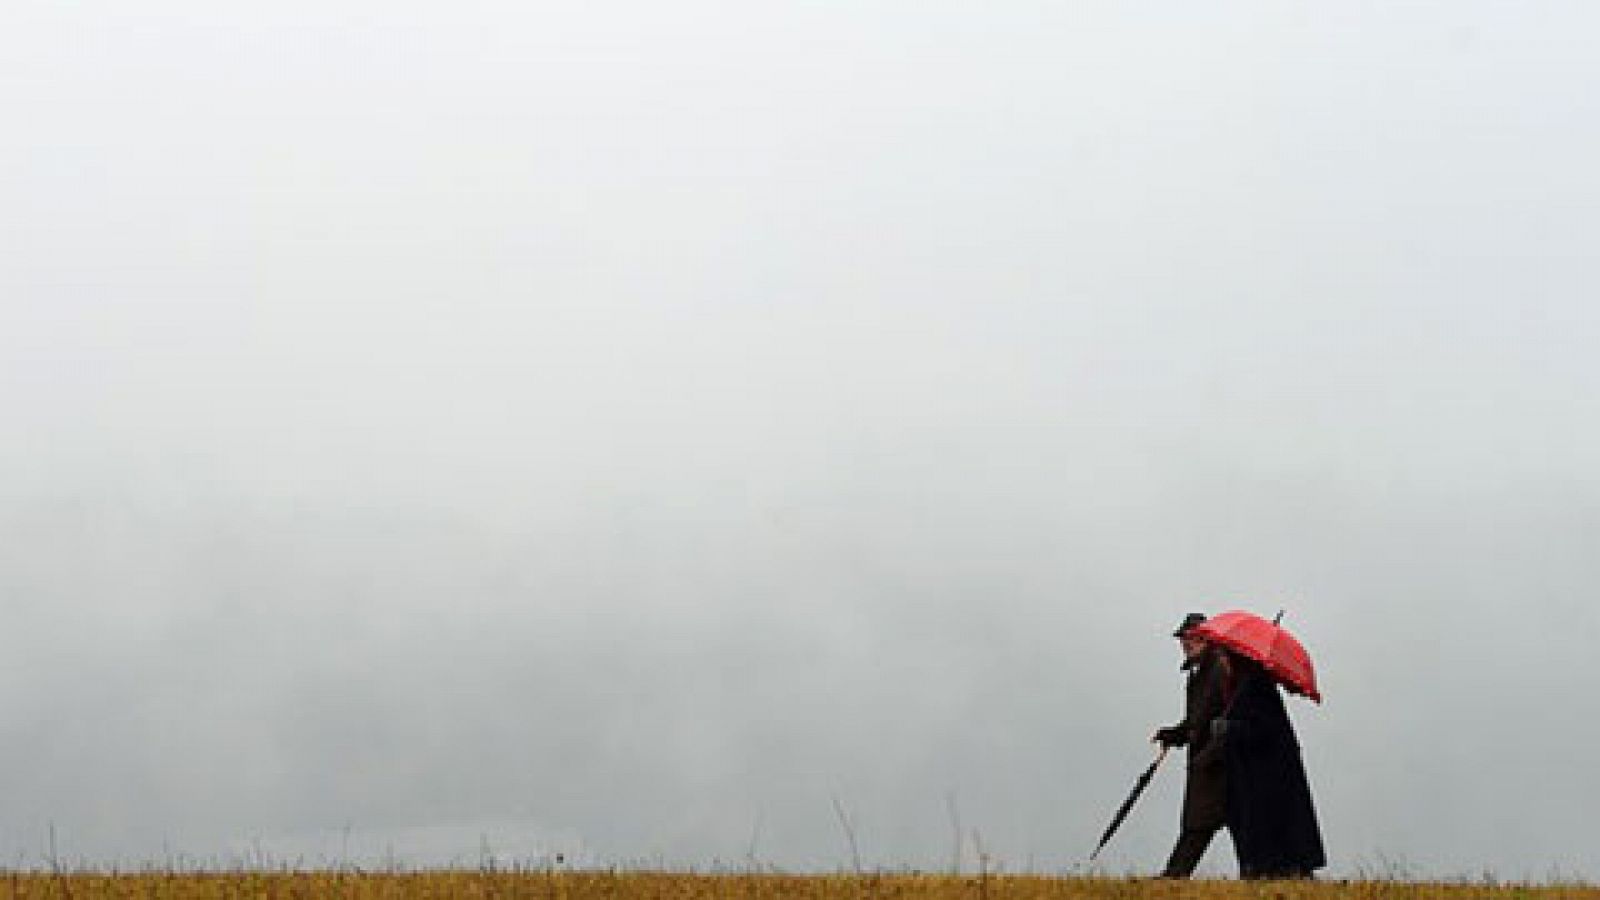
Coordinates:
(1192, 843)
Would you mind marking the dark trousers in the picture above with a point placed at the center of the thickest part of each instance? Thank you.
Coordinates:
(1192, 844)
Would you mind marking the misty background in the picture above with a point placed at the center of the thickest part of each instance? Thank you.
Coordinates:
(440, 432)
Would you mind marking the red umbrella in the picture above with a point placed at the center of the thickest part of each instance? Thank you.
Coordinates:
(1267, 643)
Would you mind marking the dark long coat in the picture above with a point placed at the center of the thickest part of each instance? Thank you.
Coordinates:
(1205, 788)
(1270, 813)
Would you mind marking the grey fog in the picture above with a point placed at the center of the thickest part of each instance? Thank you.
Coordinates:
(648, 431)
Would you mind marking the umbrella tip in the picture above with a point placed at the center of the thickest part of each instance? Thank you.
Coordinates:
(1277, 618)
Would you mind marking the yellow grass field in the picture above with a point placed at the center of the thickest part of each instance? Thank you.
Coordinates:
(651, 886)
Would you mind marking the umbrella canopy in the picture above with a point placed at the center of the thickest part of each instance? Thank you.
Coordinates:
(1267, 643)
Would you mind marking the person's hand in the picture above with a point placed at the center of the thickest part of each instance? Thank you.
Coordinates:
(1168, 737)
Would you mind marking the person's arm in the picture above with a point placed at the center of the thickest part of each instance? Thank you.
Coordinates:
(1175, 735)
(1244, 724)
(1212, 705)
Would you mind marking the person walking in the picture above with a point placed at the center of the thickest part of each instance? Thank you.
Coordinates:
(1205, 786)
(1269, 810)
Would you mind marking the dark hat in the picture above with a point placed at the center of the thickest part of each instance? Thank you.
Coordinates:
(1189, 621)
